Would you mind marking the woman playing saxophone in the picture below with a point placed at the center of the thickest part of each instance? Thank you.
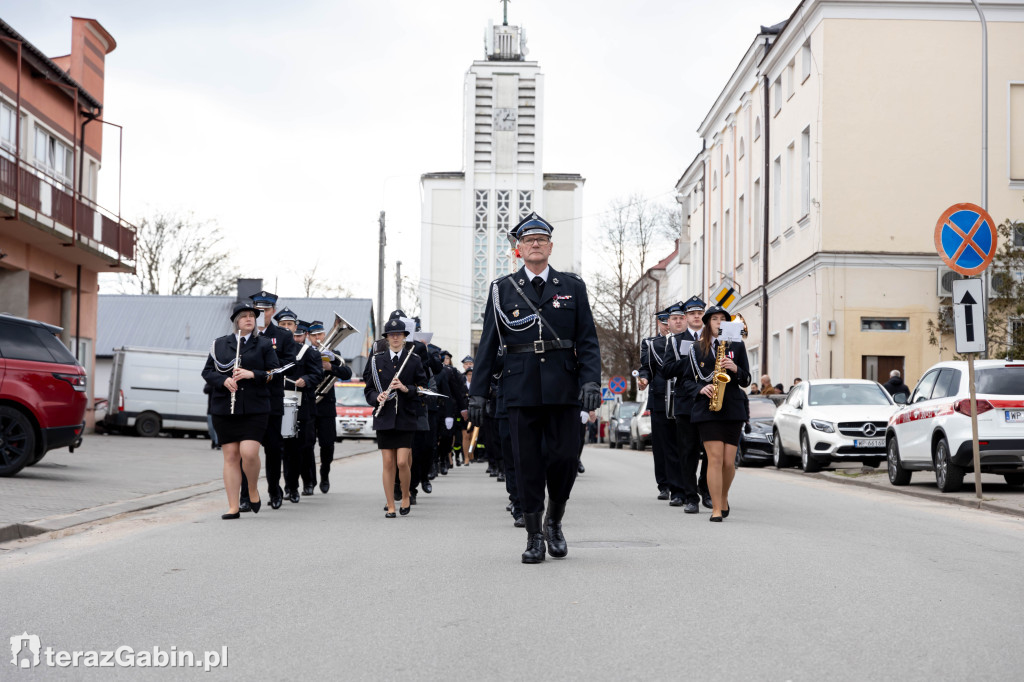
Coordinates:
(721, 371)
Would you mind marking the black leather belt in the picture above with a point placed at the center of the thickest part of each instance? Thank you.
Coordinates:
(540, 346)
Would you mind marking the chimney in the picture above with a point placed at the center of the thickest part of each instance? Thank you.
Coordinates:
(248, 287)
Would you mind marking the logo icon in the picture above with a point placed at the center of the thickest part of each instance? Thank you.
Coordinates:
(869, 429)
(25, 650)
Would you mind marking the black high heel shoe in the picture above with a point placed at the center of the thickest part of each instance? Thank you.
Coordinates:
(404, 511)
(725, 513)
(389, 515)
(256, 505)
(715, 519)
(226, 517)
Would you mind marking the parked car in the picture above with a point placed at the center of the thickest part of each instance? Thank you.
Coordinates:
(932, 432)
(42, 394)
(756, 444)
(153, 390)
(832, 420)
(355, 417)
(640, 428)
(619, 423)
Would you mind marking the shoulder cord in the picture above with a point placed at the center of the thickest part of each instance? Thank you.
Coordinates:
(222, 367)
(541, 320)
(695, 364)
(376, 379)
(514, 325)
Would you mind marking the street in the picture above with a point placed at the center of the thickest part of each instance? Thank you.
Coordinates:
(806, 580)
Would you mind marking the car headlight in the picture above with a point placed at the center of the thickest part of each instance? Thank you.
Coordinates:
(755, 435)
(820, 425)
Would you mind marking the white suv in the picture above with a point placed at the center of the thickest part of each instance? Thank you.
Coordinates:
(932, 432)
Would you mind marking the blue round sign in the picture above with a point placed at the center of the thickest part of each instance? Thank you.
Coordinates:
(965, 238)
(617, 384)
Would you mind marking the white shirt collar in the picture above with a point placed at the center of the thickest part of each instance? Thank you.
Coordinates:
(394, 354)
(543, 275)
(695, 333)
(245, 339)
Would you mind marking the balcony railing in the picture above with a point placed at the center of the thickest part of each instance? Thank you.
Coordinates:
(82, 220)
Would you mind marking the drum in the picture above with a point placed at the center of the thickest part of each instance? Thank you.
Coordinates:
(290, 420)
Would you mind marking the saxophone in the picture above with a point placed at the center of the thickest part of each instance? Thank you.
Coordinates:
(719, 379)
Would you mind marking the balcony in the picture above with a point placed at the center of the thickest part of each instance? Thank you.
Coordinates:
(42, 202)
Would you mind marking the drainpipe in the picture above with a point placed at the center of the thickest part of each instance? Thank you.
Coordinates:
(764, 229)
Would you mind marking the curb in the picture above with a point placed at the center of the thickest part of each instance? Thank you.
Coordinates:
(60, 522)
(985, 505)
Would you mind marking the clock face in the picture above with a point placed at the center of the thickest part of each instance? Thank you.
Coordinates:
(505, 119)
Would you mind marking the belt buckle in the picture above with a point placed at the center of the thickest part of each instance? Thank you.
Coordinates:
(538, 346)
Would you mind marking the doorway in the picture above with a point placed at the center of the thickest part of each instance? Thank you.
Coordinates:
(877, 367)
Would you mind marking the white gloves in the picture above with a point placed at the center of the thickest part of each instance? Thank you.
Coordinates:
(448, 423)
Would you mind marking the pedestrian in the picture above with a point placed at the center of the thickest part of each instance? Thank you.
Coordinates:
(648, 379)
(392, 377)
(280, 336)
(237, 372)
(303, 378)
(325, 421)
(540, 320)
(719, 431)
(895, 386)
(663, 426)
(766, 386)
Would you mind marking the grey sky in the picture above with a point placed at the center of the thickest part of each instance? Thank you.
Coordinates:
(293, 124)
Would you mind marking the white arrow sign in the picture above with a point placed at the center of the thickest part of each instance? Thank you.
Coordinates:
(969, 315)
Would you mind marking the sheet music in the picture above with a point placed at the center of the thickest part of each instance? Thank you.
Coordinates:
(731, 331)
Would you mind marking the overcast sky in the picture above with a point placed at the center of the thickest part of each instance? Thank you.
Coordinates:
(294, 124)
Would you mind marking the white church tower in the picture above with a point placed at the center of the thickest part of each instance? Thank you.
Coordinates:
(467, 214)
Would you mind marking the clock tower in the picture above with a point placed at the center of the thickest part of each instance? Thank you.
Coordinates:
(466, 214)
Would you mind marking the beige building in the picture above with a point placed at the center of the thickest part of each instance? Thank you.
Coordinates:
(466, 214)
(830, 154)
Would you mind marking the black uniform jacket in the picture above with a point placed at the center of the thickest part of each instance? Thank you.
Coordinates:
(681, 369)
(286, 348)
(533, 379)
(328, 405)
(445, 406)
(653, 354)
(734, 403)
(307, 367)
(377, 376)
(253, 395)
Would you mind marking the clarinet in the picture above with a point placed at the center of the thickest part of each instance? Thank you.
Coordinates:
(238, 352)
(388, 393)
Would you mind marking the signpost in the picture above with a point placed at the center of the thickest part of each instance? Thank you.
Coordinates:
(725, 294)
(617, 384)
(965, 238)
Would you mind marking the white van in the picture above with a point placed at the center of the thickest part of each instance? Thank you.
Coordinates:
(154, 390)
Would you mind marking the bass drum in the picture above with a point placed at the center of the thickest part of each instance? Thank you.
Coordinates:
(290, 420)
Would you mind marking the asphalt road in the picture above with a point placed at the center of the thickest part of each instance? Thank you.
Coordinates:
(807, 580)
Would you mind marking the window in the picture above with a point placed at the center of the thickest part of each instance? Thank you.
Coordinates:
(776, 353)
(1017, 334)
(884, 324)
(54, 156)
(790, 77)
(777, 197)
(805, 172)
(727, 238)
(788, 369)
(805, 61)
(1018, 234)
(502, 257)
(947, 385)
(7, 127)
(754, 362)
(1016, 141)
(790, 182)
(777, 92)
(757, 128)
(481, 252)
(24, 342)
(741, 229)
(924, 387)
(728, 166)
(715, 263)
(805, 349)
(714, 180)
(742, 149)
(756, 208)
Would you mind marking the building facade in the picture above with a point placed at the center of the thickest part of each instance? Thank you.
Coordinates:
(466, 214)
(54, 238)
(826, 166)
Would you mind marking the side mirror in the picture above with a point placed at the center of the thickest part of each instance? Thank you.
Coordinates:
(900, 398)
(799, 405)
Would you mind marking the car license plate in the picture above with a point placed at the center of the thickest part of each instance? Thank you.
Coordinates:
(1014, 416)
(869, 443)
(353, 426)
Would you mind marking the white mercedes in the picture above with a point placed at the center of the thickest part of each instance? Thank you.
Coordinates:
(832, 420)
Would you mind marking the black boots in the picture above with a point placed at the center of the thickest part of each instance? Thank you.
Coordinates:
(534, 553)
(553, 530)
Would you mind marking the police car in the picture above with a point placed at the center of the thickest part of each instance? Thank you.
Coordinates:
(932, 432)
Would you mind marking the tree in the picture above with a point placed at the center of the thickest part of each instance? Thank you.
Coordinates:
(315, 286)
(1004, 317)
(632, 228)
(180, 256)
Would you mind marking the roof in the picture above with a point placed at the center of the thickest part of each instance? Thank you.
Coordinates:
(193, 322)
(663, 263)
(43, 63)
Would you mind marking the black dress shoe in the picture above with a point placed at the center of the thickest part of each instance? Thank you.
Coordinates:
(534, 553)
(663, 494)
(404, 511)
(676, 501)
(519, 522)
(501, 477)
(508, 507)
(389, 515)
(427, 487)
(256, 506)
(324, 487)
(691, 508)
(245, 506)
(293, 496)
(706, 501)
(230, 516)
(725, 513)
(580, 468)
(557, 546)
(325, 481)
(307, 490)
(716, 519)
(275, 502)
(444, 469)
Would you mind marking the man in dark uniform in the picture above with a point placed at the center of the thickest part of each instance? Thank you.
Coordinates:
(281, 340)
(303, 377)
(452, 408)
(540, 320)
(326, 409)
(648, 379)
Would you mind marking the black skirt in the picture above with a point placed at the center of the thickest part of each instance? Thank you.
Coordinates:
(234, 428)
(727, 432)
(393, 439)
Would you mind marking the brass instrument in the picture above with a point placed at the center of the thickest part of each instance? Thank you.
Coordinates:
(719, 379)
(339, 330)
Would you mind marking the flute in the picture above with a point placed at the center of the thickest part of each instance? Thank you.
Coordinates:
(388, 393)
(238, 351)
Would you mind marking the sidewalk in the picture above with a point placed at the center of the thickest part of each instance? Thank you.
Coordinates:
(111, 475)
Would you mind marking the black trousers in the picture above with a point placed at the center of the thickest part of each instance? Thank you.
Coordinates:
(298, 455)
(691, 452)
(663, 437)
(545, 443)
(444, 439)
(326, 432)
(509, 462)
(659, 460)
(423, 453)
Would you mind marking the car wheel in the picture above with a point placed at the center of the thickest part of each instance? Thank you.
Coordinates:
(897, 474)
(1014, 479)
(632, 443)
(611, 441)
(779, 456)
(17, 441)
(641, 445)
(948, 476)
(147, 425)
(807, 462)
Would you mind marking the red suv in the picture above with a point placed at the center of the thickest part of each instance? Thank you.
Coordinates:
(42, 393)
